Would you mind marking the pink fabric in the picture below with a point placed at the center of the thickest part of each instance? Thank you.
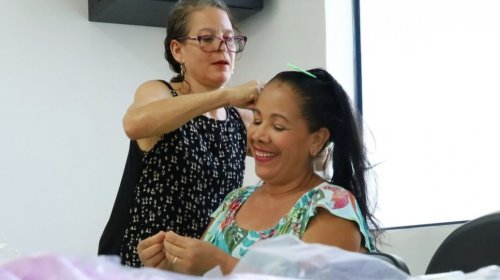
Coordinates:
(53, 266)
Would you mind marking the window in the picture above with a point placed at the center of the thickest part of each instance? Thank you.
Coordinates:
(431, 85)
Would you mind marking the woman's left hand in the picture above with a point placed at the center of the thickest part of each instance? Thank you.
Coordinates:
(191, 256)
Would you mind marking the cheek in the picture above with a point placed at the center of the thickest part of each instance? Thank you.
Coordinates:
(250, 130)
(250, 133)
(296, 147)
(200, 56)
(286, 141)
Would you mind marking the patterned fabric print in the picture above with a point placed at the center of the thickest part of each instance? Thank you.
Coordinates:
(225, 233)
(186, 176)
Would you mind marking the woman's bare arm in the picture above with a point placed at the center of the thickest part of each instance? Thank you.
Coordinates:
(154, 112)
(329, 229)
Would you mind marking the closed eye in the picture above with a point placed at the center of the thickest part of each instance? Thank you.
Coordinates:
(279, 128)
(206, 38)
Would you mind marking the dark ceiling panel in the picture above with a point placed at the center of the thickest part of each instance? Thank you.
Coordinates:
(154, 12)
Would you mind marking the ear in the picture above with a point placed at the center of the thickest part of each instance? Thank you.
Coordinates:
(177, 50)
(319, 139)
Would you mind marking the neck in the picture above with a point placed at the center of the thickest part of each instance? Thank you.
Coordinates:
(193, 86)
(187, 87)
(301, 184)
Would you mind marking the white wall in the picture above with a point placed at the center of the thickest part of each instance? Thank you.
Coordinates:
(416, 245)
(65, 83)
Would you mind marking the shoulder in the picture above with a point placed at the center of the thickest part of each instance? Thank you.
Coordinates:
(333, 230)
(241, 192)
(151, 91)
(238, 195)
(334, 197)
(335, 200)
(335, 205)
(234, 199)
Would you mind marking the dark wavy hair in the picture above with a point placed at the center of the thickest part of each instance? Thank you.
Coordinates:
(178, 24)
(324, 103)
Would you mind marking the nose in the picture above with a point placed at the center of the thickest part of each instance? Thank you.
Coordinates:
(260, 134)
(223, 43)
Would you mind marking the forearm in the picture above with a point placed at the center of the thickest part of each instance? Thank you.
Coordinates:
(162, 116)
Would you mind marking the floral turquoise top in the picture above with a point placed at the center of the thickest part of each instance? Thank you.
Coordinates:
(226, 235)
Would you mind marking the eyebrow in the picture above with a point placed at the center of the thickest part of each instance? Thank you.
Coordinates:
(273, 115)
(206, 29)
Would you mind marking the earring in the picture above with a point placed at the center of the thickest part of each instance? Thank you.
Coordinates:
(183, 70)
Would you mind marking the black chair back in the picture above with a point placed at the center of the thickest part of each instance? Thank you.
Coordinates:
(393, 259)
(471, 246)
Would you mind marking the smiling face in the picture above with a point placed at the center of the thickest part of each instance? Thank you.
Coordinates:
(207, 70)
(279, 137)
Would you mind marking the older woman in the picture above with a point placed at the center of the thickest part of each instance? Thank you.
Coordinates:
(188, 142)
(295, 118)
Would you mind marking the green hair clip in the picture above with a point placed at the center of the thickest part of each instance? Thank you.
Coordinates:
(295, 67)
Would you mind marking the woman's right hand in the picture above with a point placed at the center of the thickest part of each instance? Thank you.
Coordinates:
(151, 253)
(245, 95)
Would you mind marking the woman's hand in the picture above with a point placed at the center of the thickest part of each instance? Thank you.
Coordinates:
(193, 256)
(245, 95)
(151, 252)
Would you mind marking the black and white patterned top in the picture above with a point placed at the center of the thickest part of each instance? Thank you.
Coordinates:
(185, 177)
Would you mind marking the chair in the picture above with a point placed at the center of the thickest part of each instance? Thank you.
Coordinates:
(471, 246)
(393, 259)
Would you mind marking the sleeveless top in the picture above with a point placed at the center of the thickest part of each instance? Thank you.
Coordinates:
(225, 233)
(183, 179)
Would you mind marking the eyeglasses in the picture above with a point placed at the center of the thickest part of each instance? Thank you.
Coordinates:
(212, 43)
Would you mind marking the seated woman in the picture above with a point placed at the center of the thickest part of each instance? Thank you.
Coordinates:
(296, 116)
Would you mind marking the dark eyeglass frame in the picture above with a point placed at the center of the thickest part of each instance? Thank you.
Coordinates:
(224, 40)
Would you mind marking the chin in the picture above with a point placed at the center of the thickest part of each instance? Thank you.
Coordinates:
(221, 78)
(263, 175)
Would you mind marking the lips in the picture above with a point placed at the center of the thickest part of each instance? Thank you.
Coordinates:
(263, 155)
(221, 62)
